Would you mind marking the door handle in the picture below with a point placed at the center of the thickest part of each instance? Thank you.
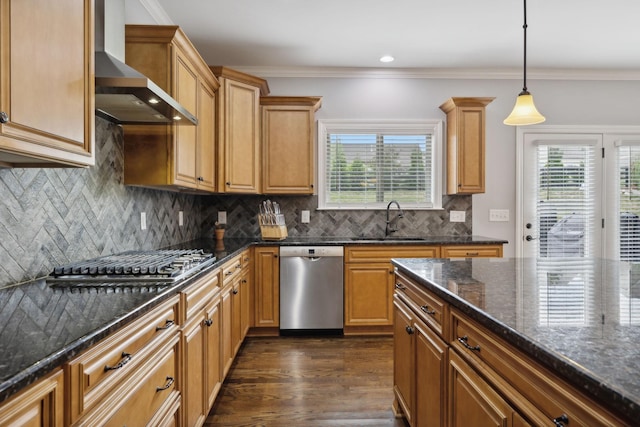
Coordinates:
(529, 238)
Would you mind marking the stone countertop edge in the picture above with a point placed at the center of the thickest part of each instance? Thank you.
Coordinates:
(571, 372)
(233, 246)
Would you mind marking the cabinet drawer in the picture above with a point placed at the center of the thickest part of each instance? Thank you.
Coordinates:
(139, 397)
(367, 253)
(539, 394)
(198, 294)
(231, 269)
(108, 363)
(431, 309)
(471, 251)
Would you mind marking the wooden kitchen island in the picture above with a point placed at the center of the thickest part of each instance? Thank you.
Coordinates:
(515, 342)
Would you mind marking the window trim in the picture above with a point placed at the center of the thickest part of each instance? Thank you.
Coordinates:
(433, 127)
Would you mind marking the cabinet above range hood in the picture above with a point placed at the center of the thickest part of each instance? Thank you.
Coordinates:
(123, 95)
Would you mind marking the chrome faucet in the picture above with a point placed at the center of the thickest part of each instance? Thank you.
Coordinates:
(389, 229)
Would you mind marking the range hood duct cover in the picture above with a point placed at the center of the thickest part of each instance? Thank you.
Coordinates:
(123, 95)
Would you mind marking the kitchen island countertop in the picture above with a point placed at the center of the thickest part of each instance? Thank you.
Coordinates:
(578, 317)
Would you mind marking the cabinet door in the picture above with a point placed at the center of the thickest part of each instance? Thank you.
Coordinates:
(193, 386)
(403, 360)
(40, 405)
(267, 287)
(206, 157)
(368, 294)
(245, 302)
(287, 150)
(47, 82)
(186, 93)
(236, 316)
(431, 354)
(240, 137)
(226, 321)
(470, 151)
(213, 344)
(473, 402)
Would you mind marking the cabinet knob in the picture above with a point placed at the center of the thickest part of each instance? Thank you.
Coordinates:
(4, 117)
(235, 292)
(208, 322)
(561, 421)
(409, 330)
(228, 183)
(200, 179)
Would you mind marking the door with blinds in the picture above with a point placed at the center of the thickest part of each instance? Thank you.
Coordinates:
(561, 221)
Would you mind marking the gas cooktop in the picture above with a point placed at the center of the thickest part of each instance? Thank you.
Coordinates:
(135, 266)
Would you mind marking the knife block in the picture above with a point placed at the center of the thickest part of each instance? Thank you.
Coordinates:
(272, 226)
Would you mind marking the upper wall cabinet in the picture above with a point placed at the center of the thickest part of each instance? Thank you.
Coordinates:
(172, 157)
(238, 128)
(46, 83)
(288, 160)
(465, 144)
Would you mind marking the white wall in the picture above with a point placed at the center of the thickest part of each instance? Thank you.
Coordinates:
(562, 102)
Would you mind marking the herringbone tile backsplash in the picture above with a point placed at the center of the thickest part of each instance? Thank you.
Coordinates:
(54, 216)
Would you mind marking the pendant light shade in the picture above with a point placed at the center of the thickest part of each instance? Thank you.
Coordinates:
(524, 112)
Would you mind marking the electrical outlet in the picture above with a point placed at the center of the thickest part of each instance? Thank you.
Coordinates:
(499, 215)
(180, 218)
(143, 221)
(222, 217)
(457, 216)
(305, 217)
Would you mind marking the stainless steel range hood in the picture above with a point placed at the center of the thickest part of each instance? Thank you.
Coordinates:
(123, 95)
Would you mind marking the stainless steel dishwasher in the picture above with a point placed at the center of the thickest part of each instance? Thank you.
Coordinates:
(311, 290)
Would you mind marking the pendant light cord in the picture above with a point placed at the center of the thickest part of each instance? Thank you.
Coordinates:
(524, 87)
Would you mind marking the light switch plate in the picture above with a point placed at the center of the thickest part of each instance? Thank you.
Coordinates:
(305, 217)
(499, 215)
(143, 221)
(457, 216)
(180, 218)
(222, 217)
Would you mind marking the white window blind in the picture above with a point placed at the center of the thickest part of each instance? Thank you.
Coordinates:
(566, 199)
(628, 206)
(365, 165)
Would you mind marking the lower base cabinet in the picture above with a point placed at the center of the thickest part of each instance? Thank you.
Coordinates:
(40, 405)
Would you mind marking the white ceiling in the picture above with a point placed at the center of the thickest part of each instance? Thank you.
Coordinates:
(577, 37)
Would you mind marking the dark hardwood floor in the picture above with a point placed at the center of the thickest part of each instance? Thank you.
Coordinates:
(309, 381)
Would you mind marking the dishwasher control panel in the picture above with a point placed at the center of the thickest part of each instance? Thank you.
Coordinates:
(311, 251)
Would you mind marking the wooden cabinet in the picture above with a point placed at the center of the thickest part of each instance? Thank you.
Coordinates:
(200, 348)
(465, 144)
(47, 83)
(266, 289)
(178, 157)
(471, 251)
(369, 283)
(451, 371)
(420, 356)
(238, 130)
(39, 405)
(288, 149)
(135, 361)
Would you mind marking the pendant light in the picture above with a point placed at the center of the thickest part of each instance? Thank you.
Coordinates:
(524, 112)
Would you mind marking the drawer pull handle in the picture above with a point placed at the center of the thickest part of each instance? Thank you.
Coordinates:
(208, 322)
(425, 308)
(473, 253)
(400, 286)
(409, 330)
(561, 421)
(464, 341)
(239, 266)
(126, 357)
(169, 323)
(229, 273)
(169, 383)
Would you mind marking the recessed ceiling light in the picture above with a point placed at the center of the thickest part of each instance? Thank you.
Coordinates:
(153, 101)
(386, 58)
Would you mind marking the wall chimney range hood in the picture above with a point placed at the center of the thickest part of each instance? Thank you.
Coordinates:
(123, 95)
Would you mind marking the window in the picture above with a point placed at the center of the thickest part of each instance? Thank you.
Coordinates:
(366, 164)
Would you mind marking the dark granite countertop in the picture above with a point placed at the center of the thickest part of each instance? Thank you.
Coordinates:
(42, 327)
(578, 317)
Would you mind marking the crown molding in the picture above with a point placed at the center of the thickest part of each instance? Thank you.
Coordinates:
(438, 73)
